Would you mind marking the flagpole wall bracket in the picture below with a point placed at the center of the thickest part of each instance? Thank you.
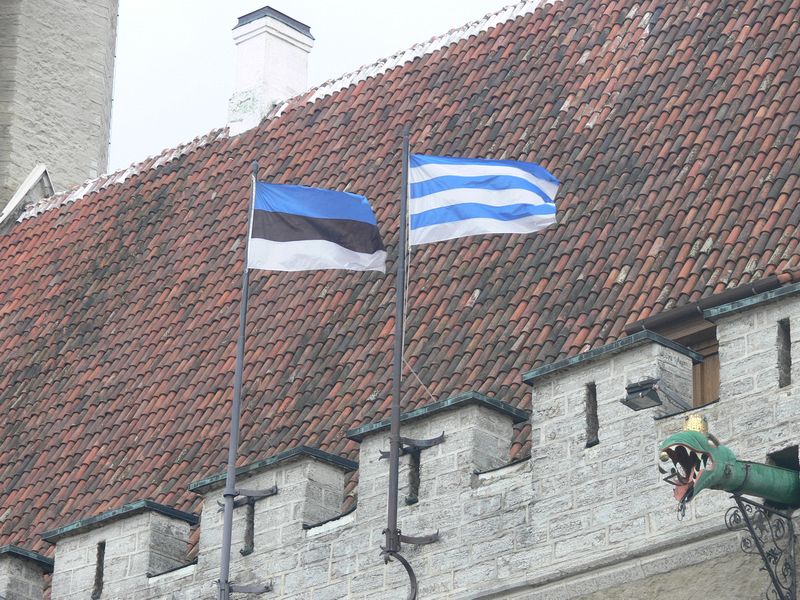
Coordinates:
(245, 497)
(411, 445)
(399, 538)
(772, 537)
(396, 540)
(251, 588)
(419, 540)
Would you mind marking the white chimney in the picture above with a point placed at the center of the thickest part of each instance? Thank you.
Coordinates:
(271, 65)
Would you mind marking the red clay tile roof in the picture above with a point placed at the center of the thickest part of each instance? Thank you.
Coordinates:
(672, 124)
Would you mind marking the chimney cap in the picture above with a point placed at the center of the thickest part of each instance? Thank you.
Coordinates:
(268, 11)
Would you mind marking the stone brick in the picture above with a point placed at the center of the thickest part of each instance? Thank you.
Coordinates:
(20, 578)
(633, 528)
(581, 544)
(567, 525)
(480, 573)
(331, 592)
(135, 546)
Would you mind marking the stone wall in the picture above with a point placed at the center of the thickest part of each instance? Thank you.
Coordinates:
(112, 560)
(20, 579)
(56, 73)
(572, 522)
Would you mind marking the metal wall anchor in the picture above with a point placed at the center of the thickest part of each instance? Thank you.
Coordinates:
(408, 445)
(245, 497)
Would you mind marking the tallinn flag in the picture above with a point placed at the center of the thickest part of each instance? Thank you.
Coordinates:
(297, 228)
(456, 197)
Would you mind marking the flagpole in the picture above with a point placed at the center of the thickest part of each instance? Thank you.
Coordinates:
(230, 479)
(392, 532)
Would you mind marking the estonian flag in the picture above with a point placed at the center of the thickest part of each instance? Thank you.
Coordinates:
(297, 228)
(455, 197)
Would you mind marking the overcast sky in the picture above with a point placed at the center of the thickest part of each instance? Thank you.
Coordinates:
(174, 66)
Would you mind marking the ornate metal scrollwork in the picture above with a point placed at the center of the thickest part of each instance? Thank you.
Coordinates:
(771, 536)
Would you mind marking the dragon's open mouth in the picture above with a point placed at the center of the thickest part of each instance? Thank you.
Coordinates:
(687, 466)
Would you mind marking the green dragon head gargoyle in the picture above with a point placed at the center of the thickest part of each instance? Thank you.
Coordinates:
(698, 462)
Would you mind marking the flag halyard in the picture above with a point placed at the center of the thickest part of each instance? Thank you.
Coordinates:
(456, 197)
(298, 228)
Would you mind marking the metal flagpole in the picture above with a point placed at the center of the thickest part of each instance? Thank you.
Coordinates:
(397, 444)
(392, 532)
(230, 480)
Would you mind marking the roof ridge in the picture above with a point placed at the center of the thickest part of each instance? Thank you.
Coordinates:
(382, 65)
(88, 186)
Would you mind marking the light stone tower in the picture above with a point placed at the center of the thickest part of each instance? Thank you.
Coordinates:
(56, 77)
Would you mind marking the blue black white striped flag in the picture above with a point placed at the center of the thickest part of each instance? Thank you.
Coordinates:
(455, 197)
(297, 228)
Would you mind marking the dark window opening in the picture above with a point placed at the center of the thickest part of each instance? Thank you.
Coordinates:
(592, 421)
(413, 476)
(784, 353)
(788, 458)
(97, 590)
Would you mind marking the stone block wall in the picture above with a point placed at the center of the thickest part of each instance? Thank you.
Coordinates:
(572, 522)
(309, 491)
(56, 75)
(20, 578)
(9, 33)
(595, 501)
(764, 417)
(129, 550)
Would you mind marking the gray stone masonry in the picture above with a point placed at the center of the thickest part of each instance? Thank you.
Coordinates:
(571, 523)
(56, 72)
(20, 579)
(142, 544)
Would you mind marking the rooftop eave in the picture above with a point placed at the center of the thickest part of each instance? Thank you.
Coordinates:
(37, 177)
(45, 563)
(103, 519)
(743, 304)
(621, 345)
(517, 415)
(204, 486)
(702, 307)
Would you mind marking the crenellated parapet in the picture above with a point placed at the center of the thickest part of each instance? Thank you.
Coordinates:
(476, 434)
(22, 573)
(587, 513)
(279, 498)
(111, 554)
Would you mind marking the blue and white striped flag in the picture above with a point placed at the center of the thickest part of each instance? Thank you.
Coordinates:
(297, 228)
(455, 197)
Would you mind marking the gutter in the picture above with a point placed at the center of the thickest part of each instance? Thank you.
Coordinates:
(697, 309)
